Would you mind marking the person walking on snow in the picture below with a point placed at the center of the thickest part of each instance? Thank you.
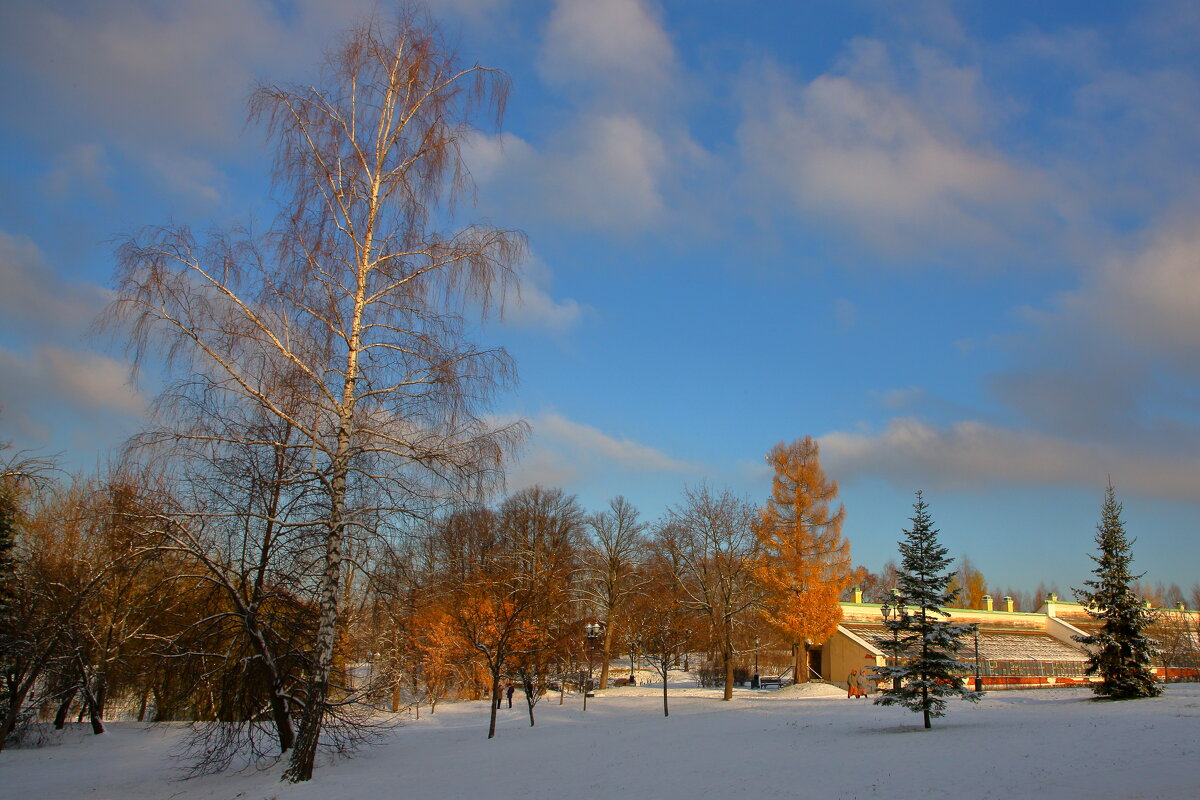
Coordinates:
(509, 692)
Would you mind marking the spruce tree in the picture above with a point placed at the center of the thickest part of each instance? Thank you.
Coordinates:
(930, 670)
(1120, 651)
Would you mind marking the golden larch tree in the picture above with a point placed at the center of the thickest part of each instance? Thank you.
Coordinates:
(973, 585)
(803, 562)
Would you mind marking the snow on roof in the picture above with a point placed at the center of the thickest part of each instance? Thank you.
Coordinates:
(993, 645)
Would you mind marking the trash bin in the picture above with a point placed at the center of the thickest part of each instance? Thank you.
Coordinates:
(754, 681)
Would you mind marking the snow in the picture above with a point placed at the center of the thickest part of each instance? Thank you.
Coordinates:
(804, 741)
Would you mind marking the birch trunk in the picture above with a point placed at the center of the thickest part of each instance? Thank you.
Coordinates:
(305, 753)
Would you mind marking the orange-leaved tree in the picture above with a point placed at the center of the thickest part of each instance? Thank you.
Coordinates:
(973, 584)
(803, 562)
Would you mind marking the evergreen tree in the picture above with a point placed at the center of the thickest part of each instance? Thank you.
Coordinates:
(1120, 651)
(927, 670)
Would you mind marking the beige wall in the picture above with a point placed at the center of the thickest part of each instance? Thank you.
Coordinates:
(843, 653)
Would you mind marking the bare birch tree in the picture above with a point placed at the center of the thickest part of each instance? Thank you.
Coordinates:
(356, 296)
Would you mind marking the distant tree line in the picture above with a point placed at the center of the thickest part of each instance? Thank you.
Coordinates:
(194, 594)
(973, 587)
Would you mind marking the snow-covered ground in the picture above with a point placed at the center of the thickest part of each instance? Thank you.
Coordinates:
(799, 742)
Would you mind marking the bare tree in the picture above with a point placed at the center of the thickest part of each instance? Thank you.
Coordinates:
(396, 658)
(542, 527)
(355, 297)
(67, 564)
(658, 622)
(108, 637)
(1174, 634)
(1022, 600)
(610, 558)
(710, 541)
(485, 597)
(240, 523)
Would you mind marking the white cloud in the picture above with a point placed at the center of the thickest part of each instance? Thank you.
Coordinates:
(617, 49)
(896, 167)
(474, 12)
(1152, 297)
(1109, 359)
(604, 171)
(534, 307)
(193, 179)
(933, 19)
(33, 293)
(611, 180)
(91, 380)
(902, 398)
(490, 157)
(562, 452)
(542, 466)
(496, 161)
(33, 384)
(38, 381)
(82, 168)
(155, 81)
(1122, 137)
(969, 454)
(587, 442)
(606, 167)
(143, 71)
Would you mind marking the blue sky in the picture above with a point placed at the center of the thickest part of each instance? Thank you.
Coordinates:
(958, 242)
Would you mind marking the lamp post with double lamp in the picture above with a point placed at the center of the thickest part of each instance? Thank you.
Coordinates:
(894, 608)
(591, 634)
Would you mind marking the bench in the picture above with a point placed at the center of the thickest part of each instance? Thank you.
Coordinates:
(770, 680)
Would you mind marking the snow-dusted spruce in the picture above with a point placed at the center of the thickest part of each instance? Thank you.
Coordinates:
(925, 670)
(1120, 651)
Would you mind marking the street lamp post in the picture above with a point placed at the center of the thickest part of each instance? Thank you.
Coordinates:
(978, 680)
(591, 634)
(894, 608)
